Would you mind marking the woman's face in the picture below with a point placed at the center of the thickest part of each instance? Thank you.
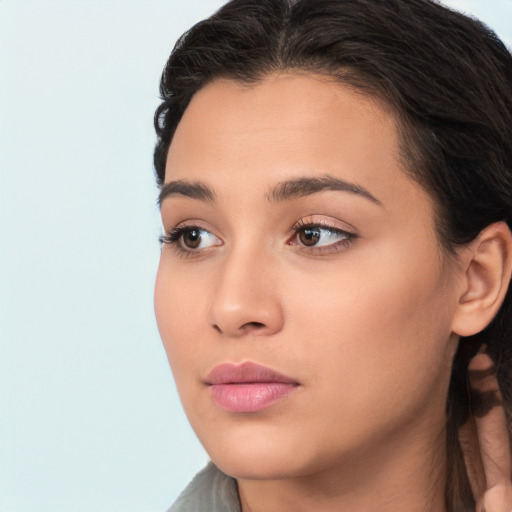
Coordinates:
(296, 242)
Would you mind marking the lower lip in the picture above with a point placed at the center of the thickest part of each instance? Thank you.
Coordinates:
(249, 397)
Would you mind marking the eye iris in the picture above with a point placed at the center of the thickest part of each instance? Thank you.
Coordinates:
(309, 236)
(192, 238)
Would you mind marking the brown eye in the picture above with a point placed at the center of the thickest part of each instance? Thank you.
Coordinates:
(320, 237)
(192, 238)
(309, 236)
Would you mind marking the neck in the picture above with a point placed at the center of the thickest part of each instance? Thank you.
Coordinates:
(404, 474)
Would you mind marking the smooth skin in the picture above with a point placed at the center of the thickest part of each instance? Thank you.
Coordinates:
(296, 240)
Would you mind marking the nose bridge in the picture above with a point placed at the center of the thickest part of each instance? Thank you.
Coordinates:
(245, 301)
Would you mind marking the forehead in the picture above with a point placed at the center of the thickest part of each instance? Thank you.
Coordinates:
(284, 126)
(288, 107)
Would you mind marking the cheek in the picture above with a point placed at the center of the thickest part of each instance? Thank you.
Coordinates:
(178, 308)
(375, 324)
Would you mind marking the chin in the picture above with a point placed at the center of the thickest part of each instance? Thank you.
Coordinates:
(255, 454)
(272, 451)
(251, 469)
(247, 465)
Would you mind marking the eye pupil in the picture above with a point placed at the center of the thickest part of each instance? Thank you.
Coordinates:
(192, 238)
(309, 236)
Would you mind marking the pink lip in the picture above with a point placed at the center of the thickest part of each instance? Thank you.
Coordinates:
(247, 387)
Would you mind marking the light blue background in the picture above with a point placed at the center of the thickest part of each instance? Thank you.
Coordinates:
(89, 418)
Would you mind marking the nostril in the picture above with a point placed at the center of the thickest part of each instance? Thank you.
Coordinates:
(244, 329)
(252, 325)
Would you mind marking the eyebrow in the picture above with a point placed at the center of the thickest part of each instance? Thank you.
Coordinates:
(290, 189)
(193, 190)
(302, 187)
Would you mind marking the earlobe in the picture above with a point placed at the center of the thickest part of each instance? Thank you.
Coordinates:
(487, 265)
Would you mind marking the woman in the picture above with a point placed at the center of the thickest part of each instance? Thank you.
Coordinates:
(336, 194)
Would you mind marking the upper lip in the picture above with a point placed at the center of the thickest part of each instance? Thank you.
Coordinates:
(245, 373)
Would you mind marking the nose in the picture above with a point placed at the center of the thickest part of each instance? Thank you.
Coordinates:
(246, 300)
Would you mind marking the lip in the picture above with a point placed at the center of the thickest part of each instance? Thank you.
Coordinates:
(248, 387)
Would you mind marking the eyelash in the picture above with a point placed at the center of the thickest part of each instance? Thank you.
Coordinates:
(174, 236)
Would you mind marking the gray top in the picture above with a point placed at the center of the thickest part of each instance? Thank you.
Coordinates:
(210, 491)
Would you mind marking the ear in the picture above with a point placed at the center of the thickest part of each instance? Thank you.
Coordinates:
(487, 266)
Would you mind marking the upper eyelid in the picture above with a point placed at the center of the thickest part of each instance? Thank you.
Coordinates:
(183, 228)
(348, 235)
(331, 223)
(190, 224)
(320, 225)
